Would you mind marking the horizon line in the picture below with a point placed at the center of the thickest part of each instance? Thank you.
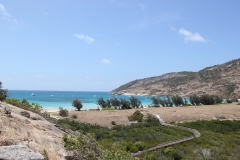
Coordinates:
(53, 90)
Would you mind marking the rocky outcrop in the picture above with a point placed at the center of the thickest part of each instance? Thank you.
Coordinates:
(25, 114)
(36, 133)
(19, 152)
(7, 111)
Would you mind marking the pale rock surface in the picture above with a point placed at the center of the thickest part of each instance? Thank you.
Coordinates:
(34, 132)
(19, 152)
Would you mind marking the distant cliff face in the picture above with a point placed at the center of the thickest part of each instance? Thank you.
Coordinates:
(222, 80)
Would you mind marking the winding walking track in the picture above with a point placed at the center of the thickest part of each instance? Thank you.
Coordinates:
(195, 133)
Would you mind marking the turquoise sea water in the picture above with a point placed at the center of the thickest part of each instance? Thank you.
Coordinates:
(52, 100)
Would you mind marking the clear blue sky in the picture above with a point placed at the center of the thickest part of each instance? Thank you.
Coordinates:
(92, 45)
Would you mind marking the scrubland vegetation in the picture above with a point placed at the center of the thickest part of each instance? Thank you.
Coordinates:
(128, 139)
(219, 140)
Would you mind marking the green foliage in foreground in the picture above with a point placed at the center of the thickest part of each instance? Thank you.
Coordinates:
(85, 147)
(133, 138)
(219, 140)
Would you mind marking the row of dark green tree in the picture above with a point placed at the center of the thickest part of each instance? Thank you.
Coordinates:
(170, 101)
(119, 104)
(205, 99)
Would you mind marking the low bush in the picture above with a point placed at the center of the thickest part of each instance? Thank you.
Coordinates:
(63, 112)
(140, 145)
(136, 116)
(113, 123)
(150, 119)
(229, 101)
(74, 116)
(133, 149)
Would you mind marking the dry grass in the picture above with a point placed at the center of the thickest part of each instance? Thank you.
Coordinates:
(168, 114)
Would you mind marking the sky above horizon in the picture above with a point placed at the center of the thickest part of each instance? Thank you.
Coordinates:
(99, 45)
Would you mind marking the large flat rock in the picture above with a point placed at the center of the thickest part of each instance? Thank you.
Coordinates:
(19, 152)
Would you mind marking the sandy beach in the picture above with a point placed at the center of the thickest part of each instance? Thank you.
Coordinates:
(168, 114)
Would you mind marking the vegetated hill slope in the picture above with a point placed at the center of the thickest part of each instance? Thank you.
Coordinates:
(222, 80)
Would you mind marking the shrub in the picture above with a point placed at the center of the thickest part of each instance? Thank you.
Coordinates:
(86, 147)
(137, 116)
(82, 147)
(63, 112)
(133, 149)
(140, 145)
(229, 101)
(168, 150)
(113, 123)
(74, 116)
(151, 119)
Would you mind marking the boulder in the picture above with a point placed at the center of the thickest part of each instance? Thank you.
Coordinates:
(19, 152)
(25, 114)
(7, 111)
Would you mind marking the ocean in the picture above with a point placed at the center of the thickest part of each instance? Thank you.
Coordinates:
(52, 100)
